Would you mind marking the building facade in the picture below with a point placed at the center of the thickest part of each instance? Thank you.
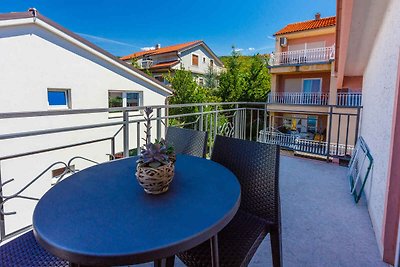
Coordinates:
(303, 87)
(368, 45)
(195, 57)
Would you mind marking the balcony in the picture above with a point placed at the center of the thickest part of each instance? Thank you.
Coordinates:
(305, 56)
(298, 98)
(349, 99)
(303, 145)
(316, 230)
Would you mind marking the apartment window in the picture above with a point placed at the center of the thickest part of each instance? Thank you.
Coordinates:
(195, 60)
(204, 59)
(211, 63)
(58, 98)
(159, 78)
(119, 99)
(312, 85)
(312, 122)
(201, 81)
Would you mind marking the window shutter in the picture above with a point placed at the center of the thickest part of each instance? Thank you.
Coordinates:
(195, 60)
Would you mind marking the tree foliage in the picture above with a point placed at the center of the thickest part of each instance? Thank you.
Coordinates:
(246, 78)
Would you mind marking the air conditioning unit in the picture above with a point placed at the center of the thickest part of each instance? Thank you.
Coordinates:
(147, 63)
(283, 41)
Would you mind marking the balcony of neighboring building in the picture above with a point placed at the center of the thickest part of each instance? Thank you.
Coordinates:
(300, 89)
(303, 51)
(303, 56)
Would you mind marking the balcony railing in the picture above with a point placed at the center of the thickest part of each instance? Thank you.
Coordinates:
(293, 142)
(349, 99)
(298, 98)
(314, 55)
(30, 156)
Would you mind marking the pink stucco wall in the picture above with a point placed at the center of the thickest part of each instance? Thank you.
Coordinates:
(328, 38)
(353, 82)
(325, 80)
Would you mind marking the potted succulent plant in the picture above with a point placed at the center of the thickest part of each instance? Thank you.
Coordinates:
(156, 163)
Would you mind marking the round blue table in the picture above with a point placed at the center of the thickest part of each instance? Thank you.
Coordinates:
(101, 215)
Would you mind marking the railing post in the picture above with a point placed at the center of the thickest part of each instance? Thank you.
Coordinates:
(158, 123)
(237, 121)
(201, 126)
(329, 133)
(126, 133)
(138, 138)
(215, 121)
(357, 125)
(112, 147)
(265, 122)
(2, 221)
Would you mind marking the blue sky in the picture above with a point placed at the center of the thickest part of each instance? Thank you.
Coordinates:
(124, 26)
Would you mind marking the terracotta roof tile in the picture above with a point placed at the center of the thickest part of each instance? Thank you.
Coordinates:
(162, 50)
(308, 25)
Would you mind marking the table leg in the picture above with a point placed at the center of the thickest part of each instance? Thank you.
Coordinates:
(214, 251)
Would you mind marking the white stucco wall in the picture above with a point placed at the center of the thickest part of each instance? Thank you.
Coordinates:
(378, 99)
(202, 68)
(32, 60)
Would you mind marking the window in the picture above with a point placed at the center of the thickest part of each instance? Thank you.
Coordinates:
(312, 124)
(119, 99)
(312, 85)
(204, 59)
(58, 98)
(195, 60)
(201, 81)
(159, 78)
(211, 63)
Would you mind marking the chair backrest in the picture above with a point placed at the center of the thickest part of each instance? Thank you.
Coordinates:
(256, 165)
(187, 141)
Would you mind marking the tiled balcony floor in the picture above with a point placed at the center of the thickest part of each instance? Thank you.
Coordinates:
(322, 226)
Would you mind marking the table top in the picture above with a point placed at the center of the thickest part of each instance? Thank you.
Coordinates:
(102, 215)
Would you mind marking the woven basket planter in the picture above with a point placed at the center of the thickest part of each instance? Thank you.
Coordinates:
(155, 181)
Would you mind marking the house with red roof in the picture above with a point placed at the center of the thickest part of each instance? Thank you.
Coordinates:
(303, 84)
(194, 56)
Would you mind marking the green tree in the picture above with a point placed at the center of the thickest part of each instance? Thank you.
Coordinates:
(257, 80)
(231, 82)
(211, 78)
(134, 62)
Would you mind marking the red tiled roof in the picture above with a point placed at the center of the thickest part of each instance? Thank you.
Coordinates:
(308, 25)
(165, 64)
(162, 50)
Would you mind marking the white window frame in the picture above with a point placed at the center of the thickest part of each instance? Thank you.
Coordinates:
(67, 95)
(125, 98)
(198, 58)
(201, 81)
(320, 83)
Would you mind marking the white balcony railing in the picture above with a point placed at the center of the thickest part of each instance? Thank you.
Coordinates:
(298, 98)
(314, 55)
(349, 99)
(293, 142)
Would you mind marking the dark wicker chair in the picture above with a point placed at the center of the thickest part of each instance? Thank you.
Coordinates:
(24, 251)
(256, 166)
(186, 141)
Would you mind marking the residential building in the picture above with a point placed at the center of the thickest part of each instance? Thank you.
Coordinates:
(303, 86)
(194, 56)
(368, 47)
(48, 69)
